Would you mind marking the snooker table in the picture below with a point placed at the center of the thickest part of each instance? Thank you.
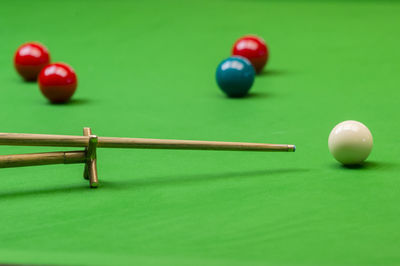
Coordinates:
(147, 69)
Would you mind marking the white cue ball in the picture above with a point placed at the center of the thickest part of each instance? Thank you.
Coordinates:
(350, 142)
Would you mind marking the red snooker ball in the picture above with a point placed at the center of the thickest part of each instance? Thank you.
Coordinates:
(57, 82)
(29, 60)
(254, 49)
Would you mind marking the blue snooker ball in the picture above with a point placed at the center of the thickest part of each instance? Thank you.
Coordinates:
(235, 76)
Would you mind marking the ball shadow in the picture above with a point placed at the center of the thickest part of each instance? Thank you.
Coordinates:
(259, 95)
(272, 72)
(19, 80)
(367, 166)
(78, 101)
(29, 81)
(250, 95)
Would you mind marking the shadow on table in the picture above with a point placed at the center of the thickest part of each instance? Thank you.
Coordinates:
(43, 192)
(150, 181)
(272, 72)
(198, 178)
(251, 95)
(73, 101)
(369, 165)
(18, 80)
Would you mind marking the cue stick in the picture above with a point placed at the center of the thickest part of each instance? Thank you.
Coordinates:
(32, 159)
(17, 139)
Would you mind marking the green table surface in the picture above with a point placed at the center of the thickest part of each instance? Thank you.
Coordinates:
(146, 69)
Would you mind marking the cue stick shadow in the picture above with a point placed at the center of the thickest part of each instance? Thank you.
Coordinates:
(43, 192)
(150, 181)
(196, 178)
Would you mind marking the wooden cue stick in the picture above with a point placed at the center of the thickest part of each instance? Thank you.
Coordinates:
(137, 143)
(32, 159)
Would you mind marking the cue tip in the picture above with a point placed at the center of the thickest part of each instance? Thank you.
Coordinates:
(292, 148)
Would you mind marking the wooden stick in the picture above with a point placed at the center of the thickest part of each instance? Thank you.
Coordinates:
(94, 181)
(91, 158)
(86, 132)
(32, 159)
(136, 143)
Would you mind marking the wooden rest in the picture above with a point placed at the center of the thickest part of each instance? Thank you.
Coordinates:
(87, 156)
